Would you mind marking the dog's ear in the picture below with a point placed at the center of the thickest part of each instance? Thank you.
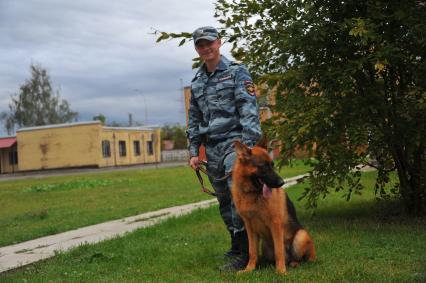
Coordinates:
(243, 151)
(263, 142)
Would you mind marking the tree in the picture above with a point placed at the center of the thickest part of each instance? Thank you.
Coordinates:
(180, 137)
(175, 133)
(100, 117)
(37, 104)
(7, 122)
(349, 83)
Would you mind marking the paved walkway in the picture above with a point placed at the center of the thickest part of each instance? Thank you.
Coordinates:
(31, 251)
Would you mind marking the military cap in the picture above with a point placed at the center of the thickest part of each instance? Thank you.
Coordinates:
(208, 33)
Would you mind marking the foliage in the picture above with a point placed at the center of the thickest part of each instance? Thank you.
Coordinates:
(175, 133)
(348, 77)
(37, 104)
(185, 37)
(116, 124)
(8, 122)
(100, 117)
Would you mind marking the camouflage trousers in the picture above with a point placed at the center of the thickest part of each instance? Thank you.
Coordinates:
(221, 157)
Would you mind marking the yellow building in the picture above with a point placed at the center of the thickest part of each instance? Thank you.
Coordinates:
(84, 144)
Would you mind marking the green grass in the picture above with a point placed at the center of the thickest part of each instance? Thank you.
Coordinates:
(297, 167)
(357, 241)
(34, 208)
(38, 207)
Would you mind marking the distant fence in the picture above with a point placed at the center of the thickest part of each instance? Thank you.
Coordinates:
(174, 155)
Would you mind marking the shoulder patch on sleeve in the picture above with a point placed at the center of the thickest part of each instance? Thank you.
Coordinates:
(250, 87)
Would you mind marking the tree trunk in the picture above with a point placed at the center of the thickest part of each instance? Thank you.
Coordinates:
(412, 186)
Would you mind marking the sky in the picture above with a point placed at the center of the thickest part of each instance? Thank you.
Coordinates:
(102, 56)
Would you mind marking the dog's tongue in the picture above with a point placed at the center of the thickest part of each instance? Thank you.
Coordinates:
(266, 191)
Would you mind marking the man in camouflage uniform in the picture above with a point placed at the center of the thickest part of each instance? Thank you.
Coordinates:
(223, 109)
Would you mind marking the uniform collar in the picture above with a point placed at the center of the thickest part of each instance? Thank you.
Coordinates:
(223, 65)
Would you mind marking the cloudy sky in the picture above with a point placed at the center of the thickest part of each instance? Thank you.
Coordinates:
(101, 55)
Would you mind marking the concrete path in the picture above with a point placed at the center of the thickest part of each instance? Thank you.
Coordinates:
(31, 251)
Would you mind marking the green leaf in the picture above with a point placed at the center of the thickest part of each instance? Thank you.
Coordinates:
(163, 36)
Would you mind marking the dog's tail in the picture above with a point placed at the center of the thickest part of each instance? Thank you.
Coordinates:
(303, 246)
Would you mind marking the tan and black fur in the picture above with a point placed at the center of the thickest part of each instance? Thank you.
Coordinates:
(271, 217)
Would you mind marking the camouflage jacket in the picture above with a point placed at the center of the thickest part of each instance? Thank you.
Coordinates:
(223, 105)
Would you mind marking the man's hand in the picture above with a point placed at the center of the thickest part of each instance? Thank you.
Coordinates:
(194, 162)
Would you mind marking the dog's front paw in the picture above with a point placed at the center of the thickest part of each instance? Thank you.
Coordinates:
(281, 271)
(246, 270)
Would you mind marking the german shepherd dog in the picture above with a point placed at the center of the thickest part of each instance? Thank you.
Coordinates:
(267, 212)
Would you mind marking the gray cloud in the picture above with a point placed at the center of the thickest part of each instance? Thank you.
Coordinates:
(98, 52)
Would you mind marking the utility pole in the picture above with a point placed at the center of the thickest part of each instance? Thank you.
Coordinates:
(146, 110)
(182, 97)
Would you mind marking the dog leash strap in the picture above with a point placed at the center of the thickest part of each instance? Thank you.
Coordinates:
(204, 170)
(203, 188)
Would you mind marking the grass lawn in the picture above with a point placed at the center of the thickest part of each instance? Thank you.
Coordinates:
(297, 167)
(38, 207)
(357, 241)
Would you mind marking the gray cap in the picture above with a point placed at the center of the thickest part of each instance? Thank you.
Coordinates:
(208, 33)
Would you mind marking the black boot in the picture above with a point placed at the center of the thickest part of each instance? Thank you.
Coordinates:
(239, 262)
(235, 249)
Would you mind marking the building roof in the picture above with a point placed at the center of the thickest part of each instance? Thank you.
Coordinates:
(143, 128)
(58, 126)
(7, 142)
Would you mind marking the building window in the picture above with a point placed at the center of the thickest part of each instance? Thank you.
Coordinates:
(150, 147)
(13, 157)
(122, 148)
(136, 148)
(106, 148)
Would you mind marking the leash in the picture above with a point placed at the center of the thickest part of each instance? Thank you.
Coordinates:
(200, 178)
